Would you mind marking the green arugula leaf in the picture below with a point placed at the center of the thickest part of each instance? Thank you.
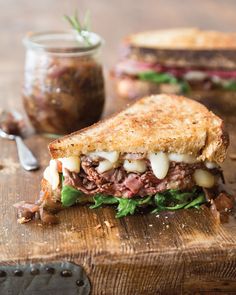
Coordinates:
(184, 86)
(145, 201)
(100, 199)
(164, 78)
(180, 196)
(69, 195)
(196, 202)
(167, 201)
(129, 206)
(174, 200)
(157, 77)
(175, 207)
(61, 176)
(125, 207)
(160, 201)
(230, 85)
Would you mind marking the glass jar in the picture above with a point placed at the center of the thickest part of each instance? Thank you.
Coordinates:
(63, 87)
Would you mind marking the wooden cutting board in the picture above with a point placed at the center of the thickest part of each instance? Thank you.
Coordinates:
(185, 252)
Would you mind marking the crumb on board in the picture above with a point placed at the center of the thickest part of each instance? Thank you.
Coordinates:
(98, 226)
(9, 166)
(150, 225)
(22, 220)
(108, 224)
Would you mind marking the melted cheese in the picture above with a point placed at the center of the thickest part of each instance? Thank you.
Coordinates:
(195, 75)
(160, 164)
(211, 165)
(203, 178)
(104, 166)
(110, 156)
(71, 163)
(51, 174)
(47, 175)
(135, 166)
(184, 158)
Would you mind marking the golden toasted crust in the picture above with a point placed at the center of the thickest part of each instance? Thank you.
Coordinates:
(183, 38)
(183, 47)
(167, 123)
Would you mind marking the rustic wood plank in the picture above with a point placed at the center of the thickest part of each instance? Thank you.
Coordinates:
(187, 250)
(171, 254)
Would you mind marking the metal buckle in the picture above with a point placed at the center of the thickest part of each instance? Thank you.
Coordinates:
(55, 278)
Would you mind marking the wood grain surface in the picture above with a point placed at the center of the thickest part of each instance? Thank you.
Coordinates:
(183, 253)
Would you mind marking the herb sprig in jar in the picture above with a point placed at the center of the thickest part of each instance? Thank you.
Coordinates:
(81, 27)
(64, 86)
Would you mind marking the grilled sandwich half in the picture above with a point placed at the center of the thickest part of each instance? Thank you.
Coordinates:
(163, 152)
(188, 61)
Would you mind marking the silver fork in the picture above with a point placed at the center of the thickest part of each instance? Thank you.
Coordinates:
(27, 159)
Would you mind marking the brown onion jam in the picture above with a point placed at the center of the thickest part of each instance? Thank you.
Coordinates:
(63, 87)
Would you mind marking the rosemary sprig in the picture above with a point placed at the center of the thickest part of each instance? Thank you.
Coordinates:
(82, 28)
(86, 21)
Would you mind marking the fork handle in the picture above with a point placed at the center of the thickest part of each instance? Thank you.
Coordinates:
(27, 159)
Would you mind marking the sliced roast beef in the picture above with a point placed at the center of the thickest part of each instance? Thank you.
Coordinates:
(118, 182)
(133, 182)
(134, 67)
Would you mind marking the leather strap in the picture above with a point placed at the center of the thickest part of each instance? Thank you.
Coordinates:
(56, 278)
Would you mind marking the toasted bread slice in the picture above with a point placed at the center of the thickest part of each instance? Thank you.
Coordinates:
(166, 123)
(183, 47)
(184, 38)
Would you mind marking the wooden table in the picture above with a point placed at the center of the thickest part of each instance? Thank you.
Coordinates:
(171, 254)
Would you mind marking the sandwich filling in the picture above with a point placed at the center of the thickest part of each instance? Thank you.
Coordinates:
(164, 181)
(181, 78)
(129, 181)
(140, 177)
(151, 177)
